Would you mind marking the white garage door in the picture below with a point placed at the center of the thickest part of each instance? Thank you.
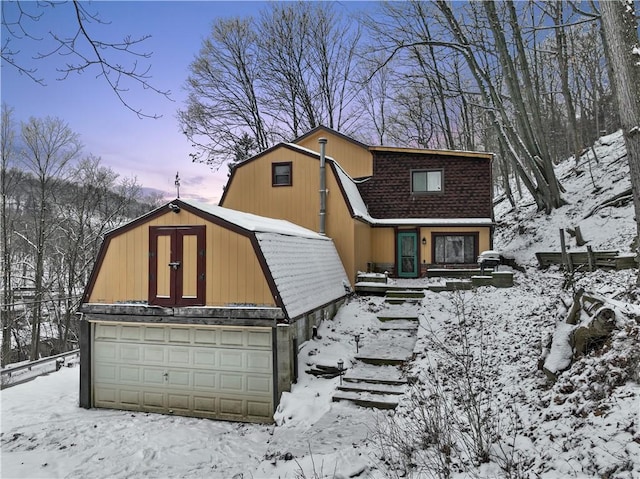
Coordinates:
(219, 372)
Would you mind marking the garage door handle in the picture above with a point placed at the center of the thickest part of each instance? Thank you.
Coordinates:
(174, 265)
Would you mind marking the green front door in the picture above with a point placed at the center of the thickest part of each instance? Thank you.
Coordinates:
(407, 261)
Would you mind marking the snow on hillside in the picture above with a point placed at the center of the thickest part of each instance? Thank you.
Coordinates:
(589, 183)
(487, 341)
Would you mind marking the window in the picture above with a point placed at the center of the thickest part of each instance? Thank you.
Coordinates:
(281, 174)
(460, 249)
(423, 181)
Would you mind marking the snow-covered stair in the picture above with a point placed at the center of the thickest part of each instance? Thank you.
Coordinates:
(376, 380)
(404, 296)
(372, 386)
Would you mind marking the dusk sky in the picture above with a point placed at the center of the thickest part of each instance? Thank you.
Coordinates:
(152, 150)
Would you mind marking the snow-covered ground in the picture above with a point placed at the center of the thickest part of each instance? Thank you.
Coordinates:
(487, 341)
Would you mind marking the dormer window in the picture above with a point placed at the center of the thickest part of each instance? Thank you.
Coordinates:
(281, 174)
(426, 181)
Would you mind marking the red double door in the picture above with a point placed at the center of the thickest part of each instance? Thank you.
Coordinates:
(177, 265)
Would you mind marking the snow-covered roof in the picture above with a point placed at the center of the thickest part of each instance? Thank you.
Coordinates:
(303, 264)
(254, 223)
(308, 272)
(354, 198)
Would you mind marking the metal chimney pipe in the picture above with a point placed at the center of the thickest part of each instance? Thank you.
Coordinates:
(323, 186)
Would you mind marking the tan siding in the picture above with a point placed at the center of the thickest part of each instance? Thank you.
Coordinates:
(383, 245)
(189, 267)
(363, 233)
(299, 203)
(233, 273)
(252, 192)
(356, 160)
(340, 226)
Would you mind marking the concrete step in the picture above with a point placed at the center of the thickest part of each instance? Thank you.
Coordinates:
(392, 347)
(402, 300)
(378, 388)
(371, 278)
(367, 399)
(405, 293)
(399, 325)
(362, 372)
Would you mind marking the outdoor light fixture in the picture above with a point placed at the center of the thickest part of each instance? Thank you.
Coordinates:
(357, 340)
(173, 207)
(340, 365)
(424, 241)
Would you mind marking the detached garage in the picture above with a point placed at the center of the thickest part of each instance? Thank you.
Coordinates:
(198, 310)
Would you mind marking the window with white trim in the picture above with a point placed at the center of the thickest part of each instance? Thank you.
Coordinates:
(426, 181)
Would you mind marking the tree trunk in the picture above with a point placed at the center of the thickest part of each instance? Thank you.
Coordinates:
(620, 28)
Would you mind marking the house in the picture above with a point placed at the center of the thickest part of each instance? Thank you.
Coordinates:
(198, 310)
(400, 210)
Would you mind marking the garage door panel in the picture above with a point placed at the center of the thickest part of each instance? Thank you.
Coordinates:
(107, 396)
(153, 399)
(106, 331)
(231, 338)
(180, 356)
(232, 383)
(259, 384)
(231, 406)
(205, 380)
(217, 372)
(259, 339)
(131, 333)
(258, 361)
(153, 354)
(105, 373)
(179, 401)
(258, 408)
(129, 352)
(205, 404)
(204, 358)
(129, 375)
(205, 336)
(105, 351)
(179, 378)
(130, 397)
(179, 335)
(231, 359)
(153, 377)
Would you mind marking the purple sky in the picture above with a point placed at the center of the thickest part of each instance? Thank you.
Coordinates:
(151, 150)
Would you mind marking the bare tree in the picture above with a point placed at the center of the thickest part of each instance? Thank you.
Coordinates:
(273, 78)
(81, 205)
(620, 31)
(223, 88)
(7, 154)
(49, 147)
(116, 62)
(478, 38)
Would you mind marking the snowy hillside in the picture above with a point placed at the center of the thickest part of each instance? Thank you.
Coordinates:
(476, 357)
(591, 182)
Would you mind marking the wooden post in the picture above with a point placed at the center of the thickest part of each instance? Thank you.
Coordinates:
(579, 239)
(566, 259)
(592, 258)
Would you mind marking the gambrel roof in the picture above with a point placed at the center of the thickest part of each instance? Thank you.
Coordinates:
(303, 266)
